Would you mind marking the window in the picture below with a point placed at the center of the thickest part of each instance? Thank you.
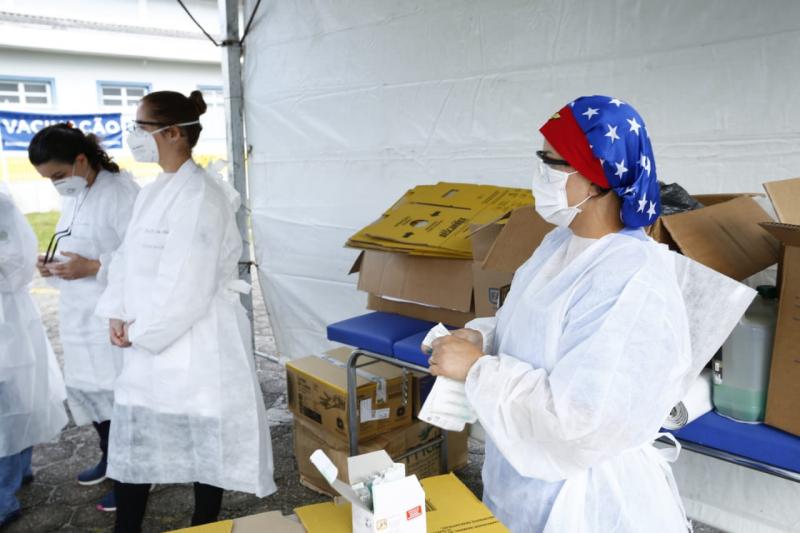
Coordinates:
(124, 95)
(213, 96)
(26, 92)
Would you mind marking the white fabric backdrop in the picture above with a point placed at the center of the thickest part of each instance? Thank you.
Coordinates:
(350, 103)
(734, 498)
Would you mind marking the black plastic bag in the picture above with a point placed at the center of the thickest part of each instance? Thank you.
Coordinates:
(675, 199)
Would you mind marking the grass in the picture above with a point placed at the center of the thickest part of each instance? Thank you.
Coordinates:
(44, 225)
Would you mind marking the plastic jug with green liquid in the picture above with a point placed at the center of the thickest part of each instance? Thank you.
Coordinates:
(741, 375)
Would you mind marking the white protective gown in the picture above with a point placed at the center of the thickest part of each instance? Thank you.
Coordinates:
(91, 363)
(31, 387)
(188, 404)
(590, 357)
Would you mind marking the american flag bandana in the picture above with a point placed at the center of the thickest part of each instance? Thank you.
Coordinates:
(605, 140)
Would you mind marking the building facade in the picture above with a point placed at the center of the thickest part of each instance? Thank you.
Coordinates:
(90, 56)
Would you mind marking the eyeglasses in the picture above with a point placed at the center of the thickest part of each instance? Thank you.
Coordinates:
(137, 124)
(547, 160)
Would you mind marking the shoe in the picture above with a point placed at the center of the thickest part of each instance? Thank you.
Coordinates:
(27, 480)
(11, 517)
(108, 504)
(94, 475)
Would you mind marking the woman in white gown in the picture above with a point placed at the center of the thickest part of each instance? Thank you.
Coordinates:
(592, 348)
(32, 390)
(188, 406)
(98, 202)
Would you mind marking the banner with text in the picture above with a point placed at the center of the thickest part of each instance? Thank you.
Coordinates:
(17, 129)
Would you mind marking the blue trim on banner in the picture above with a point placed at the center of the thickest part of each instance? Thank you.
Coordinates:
(18, 128)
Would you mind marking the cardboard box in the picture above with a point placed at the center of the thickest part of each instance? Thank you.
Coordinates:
(431, 282)
(783, 395)
(451, 507)
(725, 235)
(434, 220)
(309, 437)
(420, 311)
(397, 504)
(499, 251)
(273, 521)
(453, 291)
(317, 392)
(400, 268)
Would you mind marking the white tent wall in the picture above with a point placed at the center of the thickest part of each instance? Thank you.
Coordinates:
(351, 102)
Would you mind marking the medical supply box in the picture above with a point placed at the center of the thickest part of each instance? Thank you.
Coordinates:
(450, 507)
(419, 437)
(317, 393)
(382, 498)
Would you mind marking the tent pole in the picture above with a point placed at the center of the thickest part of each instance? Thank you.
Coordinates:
(234, 125)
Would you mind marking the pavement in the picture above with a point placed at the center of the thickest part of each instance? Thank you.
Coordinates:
(55, 501)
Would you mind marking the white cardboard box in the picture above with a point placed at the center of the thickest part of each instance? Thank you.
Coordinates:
(397, 506)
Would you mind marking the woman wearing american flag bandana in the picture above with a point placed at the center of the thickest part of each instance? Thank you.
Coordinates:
(602, 333)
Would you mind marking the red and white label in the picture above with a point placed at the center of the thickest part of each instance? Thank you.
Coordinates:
(414, 513)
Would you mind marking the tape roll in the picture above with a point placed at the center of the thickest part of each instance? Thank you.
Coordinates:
(696, 403)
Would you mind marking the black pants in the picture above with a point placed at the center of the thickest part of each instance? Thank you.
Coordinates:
(102, 429)
(132, 502)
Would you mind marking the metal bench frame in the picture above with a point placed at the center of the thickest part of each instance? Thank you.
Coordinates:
(352, 404)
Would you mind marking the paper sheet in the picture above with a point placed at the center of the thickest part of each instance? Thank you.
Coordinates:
(447, 406)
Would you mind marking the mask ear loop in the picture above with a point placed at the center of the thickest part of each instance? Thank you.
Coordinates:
(583, 202)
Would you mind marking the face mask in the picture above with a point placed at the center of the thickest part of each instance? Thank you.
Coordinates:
(71, 185)
(142, 143)
(550, 196)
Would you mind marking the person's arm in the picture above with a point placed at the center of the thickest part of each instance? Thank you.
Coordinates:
(188, 276)
(609, 392)
(486, 327)
(111, 304)
(17, 248)
(119, 219)
(74, 267)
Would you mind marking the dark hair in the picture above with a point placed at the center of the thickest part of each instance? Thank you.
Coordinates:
(170, 107)
(63, 142)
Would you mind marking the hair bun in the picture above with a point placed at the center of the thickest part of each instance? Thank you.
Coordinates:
(197, 99)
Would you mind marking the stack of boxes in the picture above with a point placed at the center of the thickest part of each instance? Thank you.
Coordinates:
(317, 391)
(453, 291)
(420, 263)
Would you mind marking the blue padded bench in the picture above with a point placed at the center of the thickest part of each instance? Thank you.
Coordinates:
(376, 332)
(408, 349)
(759, 443)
